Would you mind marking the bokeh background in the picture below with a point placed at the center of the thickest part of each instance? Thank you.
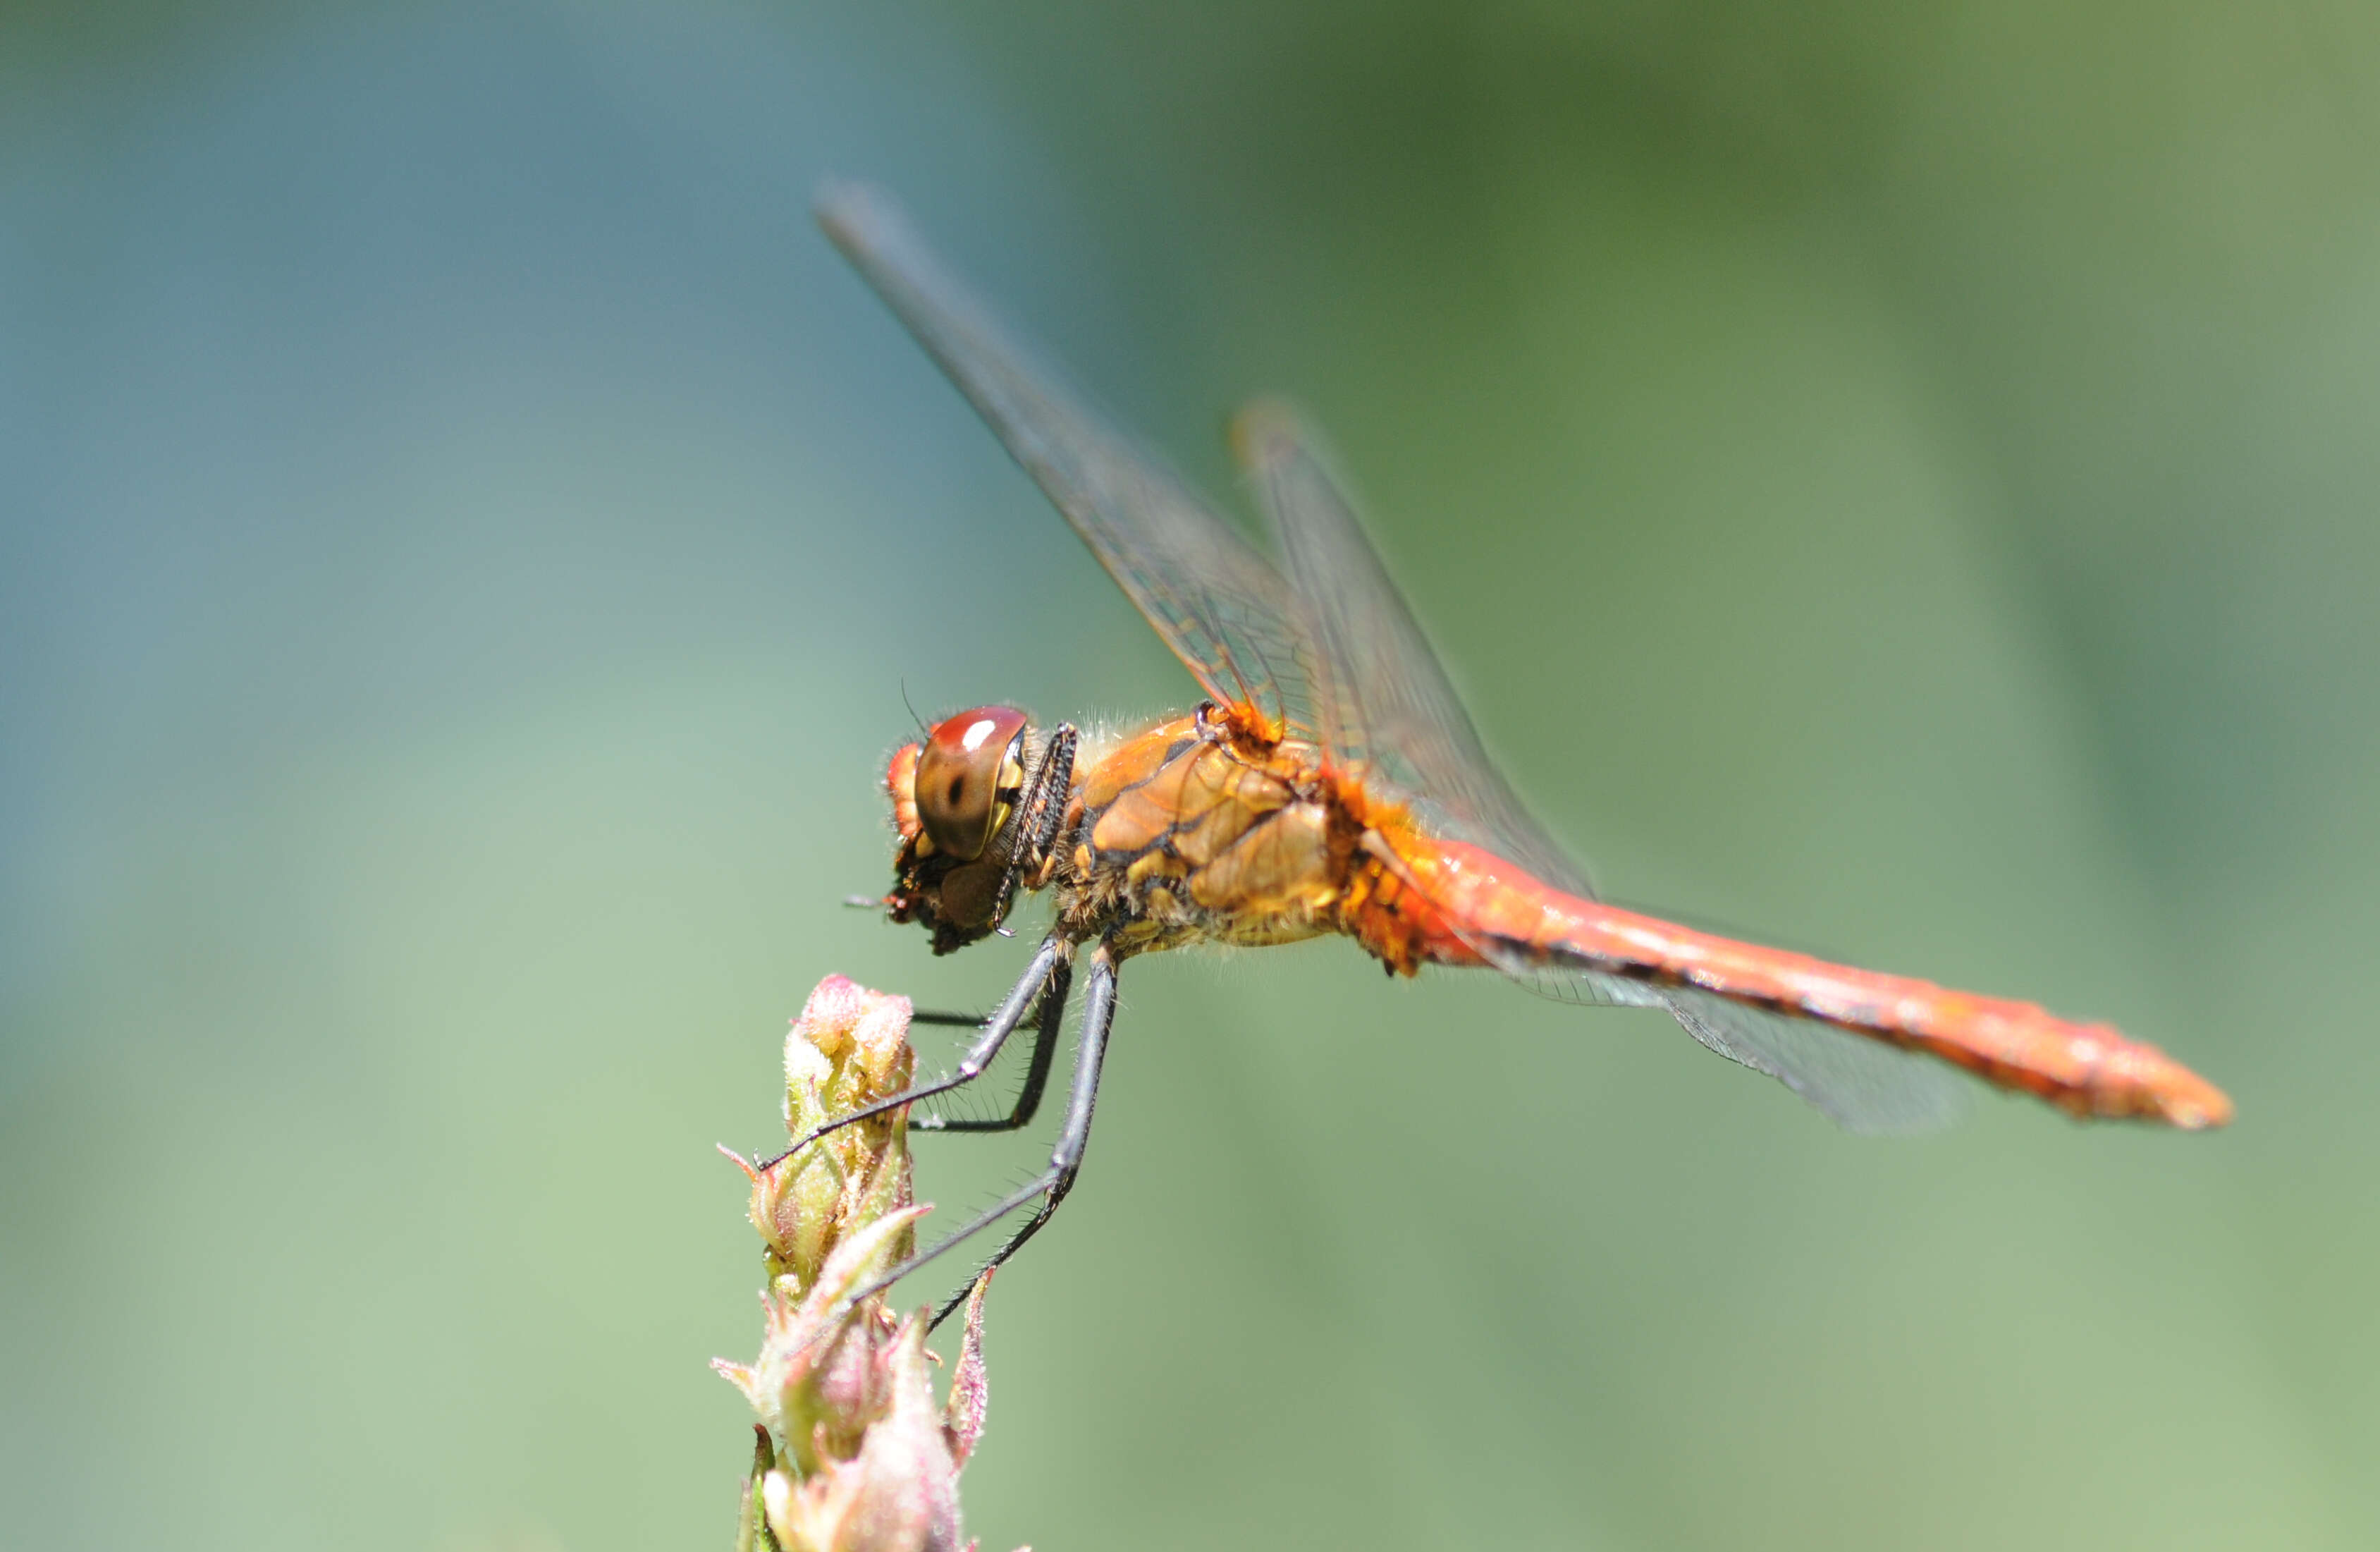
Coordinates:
(1896, 479)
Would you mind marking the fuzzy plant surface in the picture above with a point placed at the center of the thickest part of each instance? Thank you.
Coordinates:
(852, 1452)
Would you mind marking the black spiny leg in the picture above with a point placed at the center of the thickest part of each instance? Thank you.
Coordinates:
(1048, 972)
(1065, 1160)
(1037, 1073)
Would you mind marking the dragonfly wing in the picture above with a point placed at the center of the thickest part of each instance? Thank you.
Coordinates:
(1383, 704)
(1865, 1086)
(1220, 605)
(1338, 655)
(1862, 1086)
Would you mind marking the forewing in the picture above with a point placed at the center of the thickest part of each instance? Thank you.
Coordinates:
(1383, 704)
(1222, 608)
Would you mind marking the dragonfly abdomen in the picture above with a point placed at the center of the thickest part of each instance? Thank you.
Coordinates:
(1462, 905)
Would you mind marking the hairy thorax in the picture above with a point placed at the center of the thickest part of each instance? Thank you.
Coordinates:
(1186, 833)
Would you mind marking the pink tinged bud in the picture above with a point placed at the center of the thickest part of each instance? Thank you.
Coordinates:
(845, 1020)
(899, 1493)
(834, 1007)
(820, 1371)
(864, 1458)
(879, 1040)
(849, 1048)
(970, 1394)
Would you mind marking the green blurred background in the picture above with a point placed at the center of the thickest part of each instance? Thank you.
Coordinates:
(1899, 480)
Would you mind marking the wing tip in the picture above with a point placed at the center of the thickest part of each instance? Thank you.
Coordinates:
(1924, 1117)
(1267, 432)
(854, 213)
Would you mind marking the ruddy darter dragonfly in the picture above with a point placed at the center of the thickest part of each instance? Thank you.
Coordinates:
(1331, 783)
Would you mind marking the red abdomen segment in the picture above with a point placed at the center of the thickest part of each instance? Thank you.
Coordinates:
(1464, 906)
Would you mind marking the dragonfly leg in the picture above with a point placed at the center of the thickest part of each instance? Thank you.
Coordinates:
(1065, 1160)
(1039, 974)
(1037, 1073)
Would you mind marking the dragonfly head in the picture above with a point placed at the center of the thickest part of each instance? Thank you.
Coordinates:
(958, 801)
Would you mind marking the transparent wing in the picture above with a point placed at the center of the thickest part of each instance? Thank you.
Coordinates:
(1864, 1086)
(1337, 657)
(1384, 705)
(1382, 702)
(1222, 608)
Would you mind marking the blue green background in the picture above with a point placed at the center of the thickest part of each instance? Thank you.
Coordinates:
(1896, 479)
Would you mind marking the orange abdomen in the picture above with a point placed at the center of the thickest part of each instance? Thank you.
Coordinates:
(1451, 903)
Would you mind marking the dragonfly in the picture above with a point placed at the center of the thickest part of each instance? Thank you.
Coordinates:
(1329, 782)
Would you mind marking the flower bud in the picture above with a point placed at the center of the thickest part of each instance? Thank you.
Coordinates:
(854, 1456)
(849, 1048)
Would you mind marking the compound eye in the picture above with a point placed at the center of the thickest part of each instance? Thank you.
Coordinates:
(960, 775)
